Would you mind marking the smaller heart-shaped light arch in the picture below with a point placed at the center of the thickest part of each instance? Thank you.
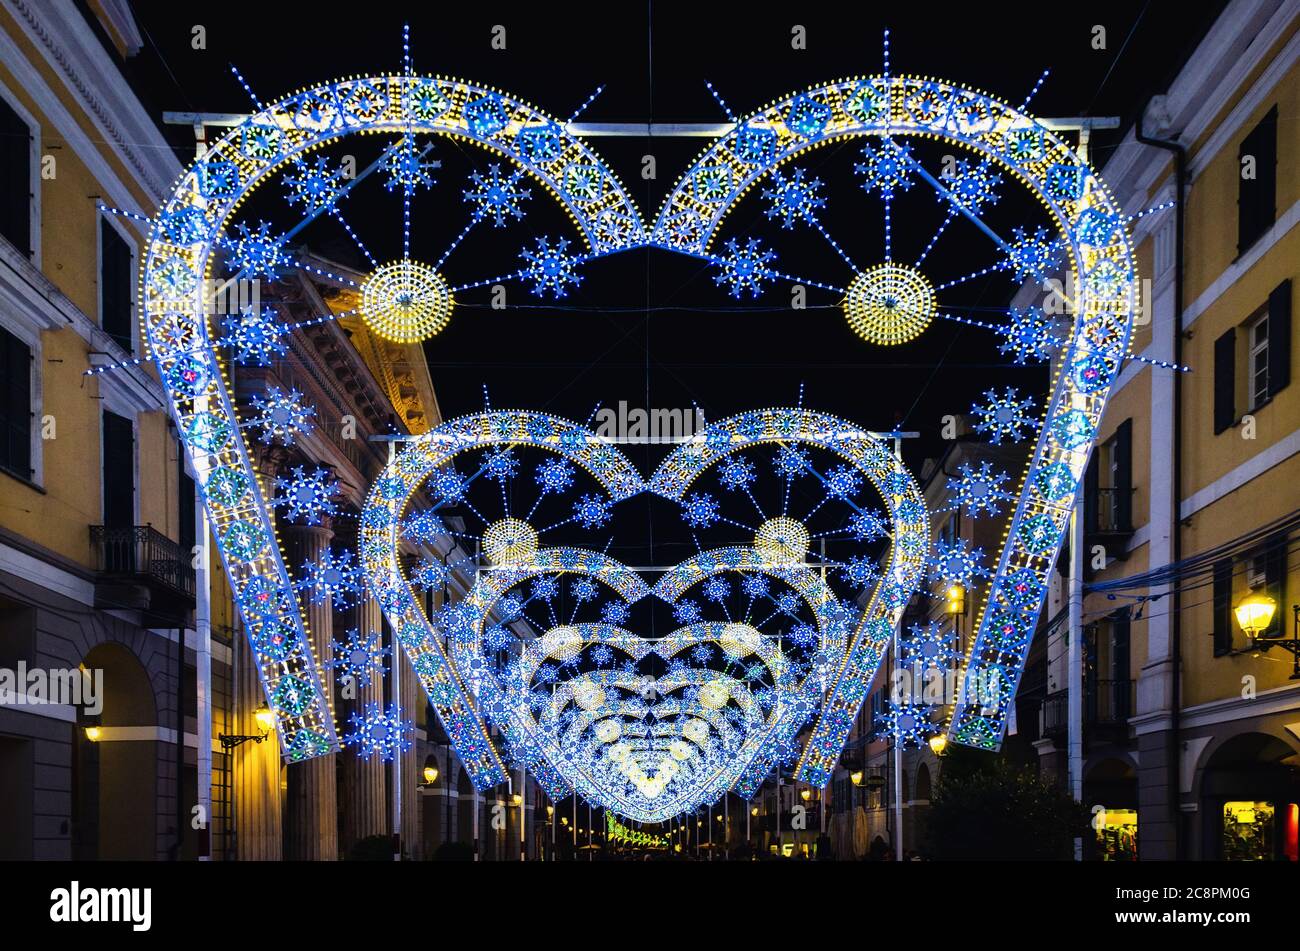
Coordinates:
(454, 682)
(854, 665)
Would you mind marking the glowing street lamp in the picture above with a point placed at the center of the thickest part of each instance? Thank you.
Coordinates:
(1255, 615)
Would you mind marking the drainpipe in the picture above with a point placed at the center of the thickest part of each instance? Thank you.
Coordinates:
(1176, 623)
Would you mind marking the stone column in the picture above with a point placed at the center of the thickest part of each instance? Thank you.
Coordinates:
(311, 820)
(256, 767)
(412, 698)
(365, 806)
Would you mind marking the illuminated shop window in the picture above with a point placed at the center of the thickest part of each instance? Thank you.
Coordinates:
(1117, 834)
(1248, 831)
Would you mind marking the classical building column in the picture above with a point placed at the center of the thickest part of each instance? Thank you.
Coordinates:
(412, 698)
(256, 768)
(311, 821)
(365, 805)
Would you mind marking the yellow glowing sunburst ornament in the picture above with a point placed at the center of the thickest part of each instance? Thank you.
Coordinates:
(739, 640)
(405, 302)
(510, 541)
(589, 696)
(889, 304)
(562, 642)
(714, 696)
(782, 540)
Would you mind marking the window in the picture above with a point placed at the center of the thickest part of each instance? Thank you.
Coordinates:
(15, 406)
(119, 471)
(1257, 362)
(1108, 491)
(1257, 182)
(1223, 619)
(1251, 373)
(15, 179)
(115, 267)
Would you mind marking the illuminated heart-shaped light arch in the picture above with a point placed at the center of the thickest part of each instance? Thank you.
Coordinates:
(1100, 259)
(468, 695)
(175, 277)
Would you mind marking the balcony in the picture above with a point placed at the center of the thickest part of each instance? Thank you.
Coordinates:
(1107, 705)
(1108, 520)
(141, 569)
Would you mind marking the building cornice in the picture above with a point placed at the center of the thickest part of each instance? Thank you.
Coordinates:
(70, 48)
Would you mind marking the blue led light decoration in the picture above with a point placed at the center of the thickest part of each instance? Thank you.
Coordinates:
(497, 196)
(281, 416)
(358, 656)
(254, 335)
(995, 145)
(281, 145)
(379, 732)
(306, 496)
(1004, 417)
(978, 490)
(1001, 143)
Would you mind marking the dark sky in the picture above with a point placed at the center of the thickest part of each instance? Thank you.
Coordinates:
(646, 326)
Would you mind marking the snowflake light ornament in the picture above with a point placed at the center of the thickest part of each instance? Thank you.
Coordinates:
(405, 169)
(744, 267)
(736, 474)
(868, 525)
(978, 490)
(281, 415)
(930, 645)
(957, 563)
(306, 496)
(254, 335)
(1030, 336)
(424, 526)
(254, 253)
(885, 168)
(497, 196)
(1004, 417)
(359, 656)
(554, 475)
(700, 510)
(908, 723)
(379, 732)
(591, 511)
(315, 186)
(972, 186)
(794, 198)
(430, 574)
(859, 571)
(550, 268)
(332, 577)
(1033, 255)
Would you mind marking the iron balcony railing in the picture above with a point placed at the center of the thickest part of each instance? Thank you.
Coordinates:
(1105, 703)
(140, 552)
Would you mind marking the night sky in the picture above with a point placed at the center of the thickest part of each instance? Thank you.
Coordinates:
(647, 326)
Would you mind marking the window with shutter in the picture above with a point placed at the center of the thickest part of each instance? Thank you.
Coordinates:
(115, 284)
(1225, 381)
(1279, 337)
(15, 179)
(15, 405)
(1257, 182)
(1222, 598)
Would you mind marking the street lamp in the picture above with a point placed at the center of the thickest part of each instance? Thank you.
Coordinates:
(430, 771)
(93, 733)
(938, 743)
(856, 776)
(955, 600)
(1255, 615)
(805, 794)
(265, 721)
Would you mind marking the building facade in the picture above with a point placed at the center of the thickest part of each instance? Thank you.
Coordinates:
(1191, 503)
